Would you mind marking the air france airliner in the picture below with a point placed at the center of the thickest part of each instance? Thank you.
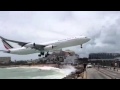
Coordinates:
(31, 48)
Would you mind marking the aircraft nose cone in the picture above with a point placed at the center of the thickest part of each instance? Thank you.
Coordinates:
(88, 39)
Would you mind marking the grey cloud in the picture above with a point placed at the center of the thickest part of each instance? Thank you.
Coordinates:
(104, 37)
(109, 37)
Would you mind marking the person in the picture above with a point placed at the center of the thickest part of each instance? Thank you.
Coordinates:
(111, 65)
(84, 66)
(94, 64)
(98, 66)
(116, 66)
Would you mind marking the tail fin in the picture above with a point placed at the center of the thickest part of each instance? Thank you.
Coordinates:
(6, 45)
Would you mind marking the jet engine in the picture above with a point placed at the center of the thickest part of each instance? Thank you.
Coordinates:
(31, 45)
(49, 47)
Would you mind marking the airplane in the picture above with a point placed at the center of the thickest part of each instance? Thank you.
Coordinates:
(31, 48)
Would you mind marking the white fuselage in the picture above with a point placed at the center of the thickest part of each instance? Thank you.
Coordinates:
(58, 45)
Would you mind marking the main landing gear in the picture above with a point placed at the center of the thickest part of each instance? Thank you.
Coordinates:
(47, 54)
(42, 53)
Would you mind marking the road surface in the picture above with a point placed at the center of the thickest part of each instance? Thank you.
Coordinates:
(93, 73)
(111, 73)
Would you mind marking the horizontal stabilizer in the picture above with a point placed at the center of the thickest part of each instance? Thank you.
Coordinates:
(4, 51)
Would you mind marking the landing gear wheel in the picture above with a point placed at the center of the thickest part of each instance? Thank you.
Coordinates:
(42, 53)
(47, 54)
(39, 55)
(81, 46)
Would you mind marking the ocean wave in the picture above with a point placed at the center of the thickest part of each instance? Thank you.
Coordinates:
(60, 73)
(49, 72)
(33, 67)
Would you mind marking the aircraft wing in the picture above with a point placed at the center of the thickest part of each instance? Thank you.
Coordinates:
(37, 46)
(18, 42)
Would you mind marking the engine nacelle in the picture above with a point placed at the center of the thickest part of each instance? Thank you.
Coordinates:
(49, 47)
(31, 45)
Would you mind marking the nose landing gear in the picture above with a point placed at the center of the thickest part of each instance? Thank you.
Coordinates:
(81, 46)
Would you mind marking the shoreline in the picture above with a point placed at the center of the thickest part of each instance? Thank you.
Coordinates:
(39, 65)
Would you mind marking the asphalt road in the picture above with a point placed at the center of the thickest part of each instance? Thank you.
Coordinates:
(92, 73)
(111, 73)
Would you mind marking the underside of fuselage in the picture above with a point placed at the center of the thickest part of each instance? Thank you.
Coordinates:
(24, 51)
(59, 45)
(68, 43)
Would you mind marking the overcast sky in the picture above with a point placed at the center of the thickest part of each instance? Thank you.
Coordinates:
(103, 27)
